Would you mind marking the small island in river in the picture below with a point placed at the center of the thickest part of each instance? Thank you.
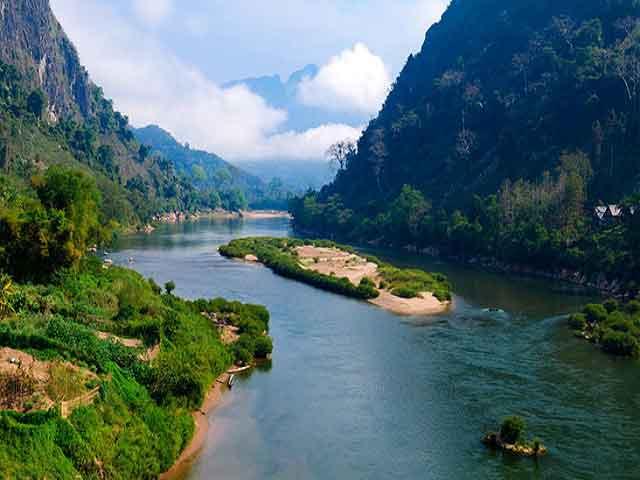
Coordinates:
(341, 270)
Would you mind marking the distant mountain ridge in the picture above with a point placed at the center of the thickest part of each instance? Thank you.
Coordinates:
(207, 171)
(284, 95)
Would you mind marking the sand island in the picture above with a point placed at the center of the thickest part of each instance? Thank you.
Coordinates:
(340, 269)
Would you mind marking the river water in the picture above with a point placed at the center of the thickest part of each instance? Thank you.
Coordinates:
(355, 392)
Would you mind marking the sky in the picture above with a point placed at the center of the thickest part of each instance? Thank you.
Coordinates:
(163, 61)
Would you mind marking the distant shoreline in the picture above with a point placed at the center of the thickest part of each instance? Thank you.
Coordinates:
(174, 218)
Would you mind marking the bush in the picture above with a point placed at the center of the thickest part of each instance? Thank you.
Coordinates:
(263, 347)
(512, 430)
(633, 307)
(595, 313)
(620, 343)
(578, 322)
(405, 292)
(611, 305)
(170, 287)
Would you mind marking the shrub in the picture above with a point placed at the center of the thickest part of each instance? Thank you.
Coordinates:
(578, 321)
(512, 429)
(263, 347)
(595, 313)
(405, 292)
(633, 307)
(611, 305)
(620, 343)
(170, 287)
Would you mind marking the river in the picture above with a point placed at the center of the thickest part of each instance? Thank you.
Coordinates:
(355, 392)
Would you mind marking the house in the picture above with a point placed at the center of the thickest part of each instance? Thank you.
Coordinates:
(608, 214)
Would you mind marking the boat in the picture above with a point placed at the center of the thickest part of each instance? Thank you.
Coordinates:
(231, 381)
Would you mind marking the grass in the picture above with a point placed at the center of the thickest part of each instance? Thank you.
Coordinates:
(141, 421)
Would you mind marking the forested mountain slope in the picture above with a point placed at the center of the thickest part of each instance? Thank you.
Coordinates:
(498, 91)
(52, 113)
(210, 174)
(500, 137)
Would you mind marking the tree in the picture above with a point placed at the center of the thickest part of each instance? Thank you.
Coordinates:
(340, 153)
(6, 290)
(170, 286)
(37, 103)
(512, 430)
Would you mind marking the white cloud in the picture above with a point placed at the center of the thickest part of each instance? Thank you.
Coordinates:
(151, 85)
(354, 81)
(309, 145)
(153, 12)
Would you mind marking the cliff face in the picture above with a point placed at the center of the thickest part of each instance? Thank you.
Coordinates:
(32, 40)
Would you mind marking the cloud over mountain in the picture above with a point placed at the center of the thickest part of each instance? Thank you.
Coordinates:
(356, 80)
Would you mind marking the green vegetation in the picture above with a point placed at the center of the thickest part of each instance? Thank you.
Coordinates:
(218, 184)
(280, 255)
(56, 304)
(614, 327)
(148, 402)
(499, 145)
(511, 438)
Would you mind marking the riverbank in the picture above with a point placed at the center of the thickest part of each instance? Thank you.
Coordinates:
(339, 269)
(218, 214)
(201, 422)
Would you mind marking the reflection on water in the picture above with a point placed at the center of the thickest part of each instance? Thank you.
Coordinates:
(356, 392)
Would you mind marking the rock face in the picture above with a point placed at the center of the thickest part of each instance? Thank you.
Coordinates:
(32, 40)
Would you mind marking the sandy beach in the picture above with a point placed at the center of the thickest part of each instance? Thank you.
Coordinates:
(264, 214)
(200, 418)
(331, 261)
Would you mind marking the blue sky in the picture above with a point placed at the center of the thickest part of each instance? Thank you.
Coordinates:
(162, 61)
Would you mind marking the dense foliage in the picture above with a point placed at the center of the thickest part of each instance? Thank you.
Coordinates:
(218, 184)
(280, 256)
(147, 401)
(614, 327)
(500, 137)
(134, 186)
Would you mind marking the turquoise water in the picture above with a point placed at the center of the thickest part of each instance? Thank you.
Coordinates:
(355, 392)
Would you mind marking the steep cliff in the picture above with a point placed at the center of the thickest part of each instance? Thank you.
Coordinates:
(33, 41)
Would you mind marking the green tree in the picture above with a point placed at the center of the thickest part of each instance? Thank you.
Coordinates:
(170, 286)
(512, 430)
(37, 103)
(75, 193)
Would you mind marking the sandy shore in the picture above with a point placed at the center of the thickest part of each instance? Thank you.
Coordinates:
(211, 402)
(331, 261)
(264, 214)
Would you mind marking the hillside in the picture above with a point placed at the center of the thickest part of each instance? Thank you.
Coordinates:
(498, 91)
(52, 113)
(211, 175)
(499, 138)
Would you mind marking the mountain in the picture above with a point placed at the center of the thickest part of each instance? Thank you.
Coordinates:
(32, 40)
(498, 91)
(296, 176)
(207, 171)
(498, 140)
(52, 113)
(284, 95)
